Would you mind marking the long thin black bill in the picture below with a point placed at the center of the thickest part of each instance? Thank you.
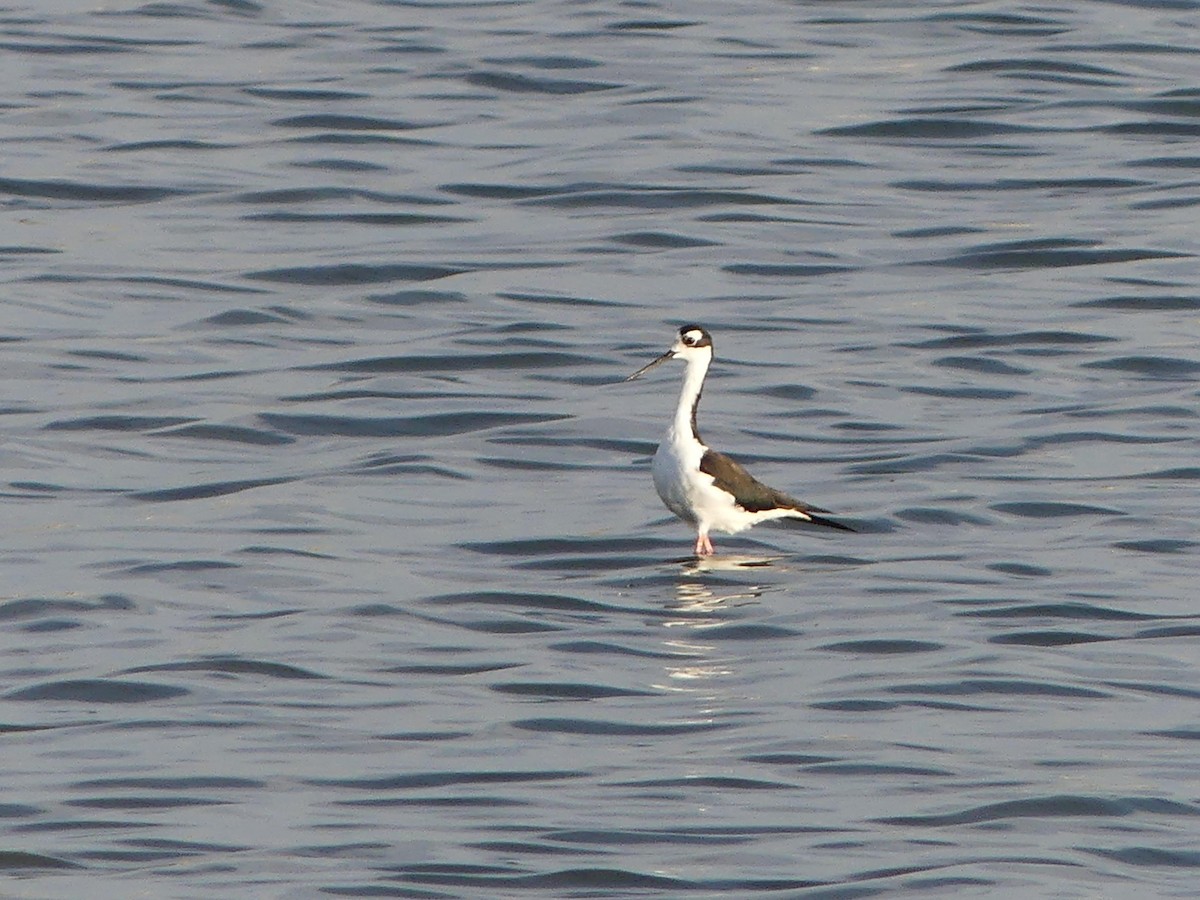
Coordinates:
(646, 368)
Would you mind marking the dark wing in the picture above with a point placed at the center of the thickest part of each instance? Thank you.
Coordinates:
(752, 495)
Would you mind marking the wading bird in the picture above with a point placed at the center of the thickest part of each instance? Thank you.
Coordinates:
(707, 489)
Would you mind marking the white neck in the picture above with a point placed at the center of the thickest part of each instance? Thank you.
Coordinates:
(689, 396)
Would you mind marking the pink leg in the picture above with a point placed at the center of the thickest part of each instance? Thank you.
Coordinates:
(704, 546)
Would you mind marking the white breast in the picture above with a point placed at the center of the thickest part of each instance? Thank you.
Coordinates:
(688, 492)
(674, 461)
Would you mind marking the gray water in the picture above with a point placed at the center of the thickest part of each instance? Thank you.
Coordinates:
(331, 562)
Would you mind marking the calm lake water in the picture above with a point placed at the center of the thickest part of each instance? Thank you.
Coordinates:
(332, 564)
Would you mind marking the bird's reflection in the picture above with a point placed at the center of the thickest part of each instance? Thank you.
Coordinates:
(698, 565)
(694, 670)
(701, 606)
(696, 598)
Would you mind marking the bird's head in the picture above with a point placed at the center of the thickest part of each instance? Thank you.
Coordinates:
(692, 344)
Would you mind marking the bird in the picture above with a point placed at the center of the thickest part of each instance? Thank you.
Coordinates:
(702, 486)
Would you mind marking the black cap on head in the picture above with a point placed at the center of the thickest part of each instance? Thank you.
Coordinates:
(695, 336)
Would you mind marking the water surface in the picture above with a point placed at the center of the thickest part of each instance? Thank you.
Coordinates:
(333, 563)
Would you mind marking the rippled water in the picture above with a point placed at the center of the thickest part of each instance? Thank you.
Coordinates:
(332, 562)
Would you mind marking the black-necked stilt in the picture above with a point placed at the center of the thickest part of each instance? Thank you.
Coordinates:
(707, 489)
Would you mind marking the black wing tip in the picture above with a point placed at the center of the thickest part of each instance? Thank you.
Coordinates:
(828, 523)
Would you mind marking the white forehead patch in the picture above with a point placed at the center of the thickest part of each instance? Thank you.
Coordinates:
(693, 335)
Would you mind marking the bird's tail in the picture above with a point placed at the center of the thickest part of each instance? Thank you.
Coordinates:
(810, 516)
